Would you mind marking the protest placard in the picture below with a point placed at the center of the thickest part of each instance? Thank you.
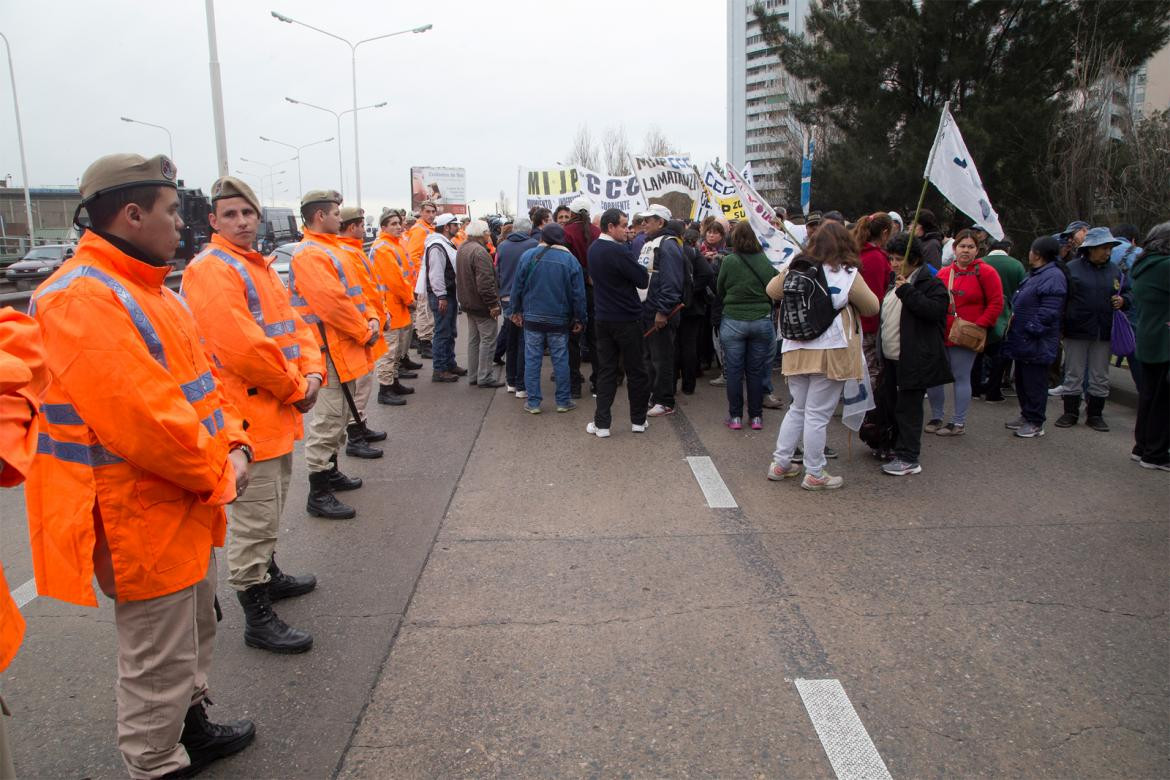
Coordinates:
(447, 187)
(670, 181)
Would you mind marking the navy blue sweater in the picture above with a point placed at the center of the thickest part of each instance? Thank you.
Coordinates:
(616, 274)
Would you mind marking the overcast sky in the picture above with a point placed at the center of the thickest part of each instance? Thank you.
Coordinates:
(492, 86)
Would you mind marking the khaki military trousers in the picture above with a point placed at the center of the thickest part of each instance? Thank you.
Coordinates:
(424, 320)
(363, 388)
(165, 646)
(254, 519)
(326, 432)
(397, 343)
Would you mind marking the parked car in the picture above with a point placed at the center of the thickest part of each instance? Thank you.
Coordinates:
(37, 264)
(282, 261)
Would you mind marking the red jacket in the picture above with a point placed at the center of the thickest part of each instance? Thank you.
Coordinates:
(875, 270)
(575, 238)
(977, 294)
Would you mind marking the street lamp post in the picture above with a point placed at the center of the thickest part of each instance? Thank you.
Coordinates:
(338, 116)
(170, 140)
(298, 151)
(353, 46)
(20, 143)
(272, 174)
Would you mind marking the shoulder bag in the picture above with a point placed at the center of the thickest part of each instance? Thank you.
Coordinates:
(964, 333)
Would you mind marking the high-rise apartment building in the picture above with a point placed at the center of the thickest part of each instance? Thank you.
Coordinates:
(759, 121)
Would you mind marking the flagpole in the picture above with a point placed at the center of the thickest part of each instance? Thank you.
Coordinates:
(926, 178)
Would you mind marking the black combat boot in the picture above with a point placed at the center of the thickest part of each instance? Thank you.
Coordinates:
(1072, 412)
(409, 364)
(1093, 414)
(322, 502)
(401, 389)
(207, 742)
(356, 444)
(369, 434)
(424, 350)
(264, 629)
(338, 482)
(388, 397)
(283, 586)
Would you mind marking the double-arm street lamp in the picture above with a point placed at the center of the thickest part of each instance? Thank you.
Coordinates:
(170, 140)
(338, 116)
(271, 176)
(298, 149)
(353, 46)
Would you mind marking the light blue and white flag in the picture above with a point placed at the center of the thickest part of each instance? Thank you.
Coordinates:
(951, 170)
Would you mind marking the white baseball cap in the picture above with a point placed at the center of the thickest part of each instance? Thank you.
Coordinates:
(660, 211)
(580, 203)
(445, 219)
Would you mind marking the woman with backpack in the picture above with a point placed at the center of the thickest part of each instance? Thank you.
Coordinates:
(976, 301)
(745, 332)
(822, 298)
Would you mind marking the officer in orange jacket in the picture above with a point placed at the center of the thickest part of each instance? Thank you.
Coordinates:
(23, 381)
(272, 371)
(392, 263)
(358, 433)
(329, 298)
(415, 241)
(138, 453)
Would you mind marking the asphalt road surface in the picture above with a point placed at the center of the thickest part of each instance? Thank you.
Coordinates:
(519, 599)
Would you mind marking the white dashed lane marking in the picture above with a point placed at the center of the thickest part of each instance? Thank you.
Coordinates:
(713, 487)
(25, 593)
(846, 742)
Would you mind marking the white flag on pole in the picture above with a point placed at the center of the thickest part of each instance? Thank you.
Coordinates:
(951, 170)
(777, 246)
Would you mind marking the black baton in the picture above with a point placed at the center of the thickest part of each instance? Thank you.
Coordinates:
(357, 418)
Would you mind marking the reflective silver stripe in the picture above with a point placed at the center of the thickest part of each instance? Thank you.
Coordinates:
(92, 455)
(214, 422)
(61, 414)
(292, 352)
(311, 319)
(361, 307)
(354, 291)
(137, 315)
(250, 292)
(198, 388)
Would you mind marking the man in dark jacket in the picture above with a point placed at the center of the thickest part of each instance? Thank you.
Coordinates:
(580, 233)
(930, 238)
(617, 277)
(1094, 293)
(479, 297)
(662, 257)
(508, 255)
(913, 352)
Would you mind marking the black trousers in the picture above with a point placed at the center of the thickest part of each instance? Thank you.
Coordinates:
(1032, 391)
(620, 343)
(576, 378)
(660, 361)
(987, 373)
(1152, 432)
(690, 331)
(513, 354)
(907, 409)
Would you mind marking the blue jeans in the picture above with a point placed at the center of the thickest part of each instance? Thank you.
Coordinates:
(961, 360)
(558, 350)
(446, 329)
(747, 347)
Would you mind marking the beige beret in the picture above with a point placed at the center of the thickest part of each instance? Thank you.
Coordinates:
(350, 213)
(231, 187)
(120, 171)
(321, 196)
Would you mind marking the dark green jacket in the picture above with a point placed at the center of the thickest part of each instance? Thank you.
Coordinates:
(1011, 275)
(741, 288)
(1150, 279)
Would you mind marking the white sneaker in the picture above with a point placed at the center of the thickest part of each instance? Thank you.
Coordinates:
(601, 433)
(658, 410)
(509, 389)
(521, 394)
(639, 428)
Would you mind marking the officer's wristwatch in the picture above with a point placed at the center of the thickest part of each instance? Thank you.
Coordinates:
(251, 456)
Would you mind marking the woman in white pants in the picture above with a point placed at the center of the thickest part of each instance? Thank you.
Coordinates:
(817, 369)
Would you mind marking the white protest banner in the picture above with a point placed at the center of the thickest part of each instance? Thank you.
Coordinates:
(549, 188)
(611, 192)
(951, 170)
(727, 202)
(747, 175)
(670, 181)
(447, 187)
(777, 246)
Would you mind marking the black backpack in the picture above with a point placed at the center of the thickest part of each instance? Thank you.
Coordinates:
(806, 309)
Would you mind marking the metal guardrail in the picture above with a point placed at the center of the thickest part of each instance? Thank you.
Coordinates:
(19, 299)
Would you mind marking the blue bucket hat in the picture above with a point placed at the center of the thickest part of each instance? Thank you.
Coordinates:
(1099, 236)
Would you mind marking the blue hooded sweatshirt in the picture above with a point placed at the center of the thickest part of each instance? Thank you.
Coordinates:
(508, 257)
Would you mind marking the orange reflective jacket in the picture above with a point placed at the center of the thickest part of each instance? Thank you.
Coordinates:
(23, 380)
(389, 259)
(415, 241)
(265, 350)
(135, 432)
(324, 292)
(372, 288)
